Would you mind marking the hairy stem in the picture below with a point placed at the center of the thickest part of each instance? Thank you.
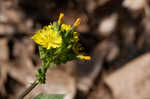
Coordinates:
(29, 89)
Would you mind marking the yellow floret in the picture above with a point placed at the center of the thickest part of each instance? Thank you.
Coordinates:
(50, 26)
(75, 36)
(82, 57)
(77, 22)
(47, 38)
(60, 18)
(65, 27)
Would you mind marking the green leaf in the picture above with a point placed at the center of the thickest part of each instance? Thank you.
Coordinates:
(49, 96)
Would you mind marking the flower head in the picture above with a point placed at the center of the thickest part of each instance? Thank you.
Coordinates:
(65, 27)
(58, 43)
(60, 40)
(47, 37)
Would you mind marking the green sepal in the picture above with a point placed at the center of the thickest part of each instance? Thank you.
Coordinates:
(40, 76)
(42, 52)
(56, 26)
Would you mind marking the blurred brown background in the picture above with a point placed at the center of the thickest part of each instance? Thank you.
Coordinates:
(115, 33)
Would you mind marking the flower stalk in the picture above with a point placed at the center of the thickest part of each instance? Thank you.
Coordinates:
(28, 90)
(58, 43)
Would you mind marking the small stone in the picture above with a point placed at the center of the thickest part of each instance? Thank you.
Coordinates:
(6, 29)
(101, 91)
(4, 55)
(93, 4)
(131, 81)
(107, 25)
(134, 4)
(22, 67)
(3, 76)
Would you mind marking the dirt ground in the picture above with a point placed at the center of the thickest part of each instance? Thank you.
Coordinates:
(115, 33)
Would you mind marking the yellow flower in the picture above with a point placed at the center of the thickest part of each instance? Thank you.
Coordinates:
(51, 37)
(75, 36)
(60, 18)
(65, 27)
(82, 57)
(77, 22)
(47, 37)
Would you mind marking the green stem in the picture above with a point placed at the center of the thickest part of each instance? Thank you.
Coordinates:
(29, 89)
(36, 82)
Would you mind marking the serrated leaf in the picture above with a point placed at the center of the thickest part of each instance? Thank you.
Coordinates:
(49, 96)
